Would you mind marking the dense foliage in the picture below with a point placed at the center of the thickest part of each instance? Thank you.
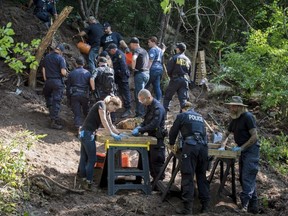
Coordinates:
(260, 67)
(17, 55)
(275, 152)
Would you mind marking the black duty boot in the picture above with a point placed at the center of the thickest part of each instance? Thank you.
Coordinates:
(253, 207)
(56, 126)
(186, 210)
(205, 207)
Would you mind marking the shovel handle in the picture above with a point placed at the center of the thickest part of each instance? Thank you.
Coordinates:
(81, 36)
(210, 128)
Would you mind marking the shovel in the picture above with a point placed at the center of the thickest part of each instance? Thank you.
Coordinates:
(217, 136)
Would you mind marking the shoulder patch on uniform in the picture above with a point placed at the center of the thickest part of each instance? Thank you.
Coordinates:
(120, 56)
(157, 112)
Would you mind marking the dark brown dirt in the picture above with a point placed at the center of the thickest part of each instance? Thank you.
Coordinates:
(57, 155)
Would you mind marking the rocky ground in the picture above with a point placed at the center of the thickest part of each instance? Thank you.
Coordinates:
(57, 155)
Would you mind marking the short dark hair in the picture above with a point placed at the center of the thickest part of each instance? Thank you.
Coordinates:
(80, 60)
(153, 39)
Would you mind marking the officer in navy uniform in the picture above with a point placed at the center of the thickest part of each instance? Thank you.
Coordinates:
(94, 32)
(122, 75)
(194, 156)
(111, 37)
(43, 10)
(77, 90)
(54, 70)
(178, 69)
(154, 125)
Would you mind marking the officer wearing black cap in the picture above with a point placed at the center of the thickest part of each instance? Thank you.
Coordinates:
(178, 69)
(121, 75)
(194, 156)
(54, 69)
(111, 37)
(77, 90)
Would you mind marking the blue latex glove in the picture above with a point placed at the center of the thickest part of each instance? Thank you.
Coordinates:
(135, 131)
(123, 135)
(116, 136)
(237, 148)
(221, 149)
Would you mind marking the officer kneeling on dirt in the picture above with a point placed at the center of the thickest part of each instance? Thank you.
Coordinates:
(194, 157)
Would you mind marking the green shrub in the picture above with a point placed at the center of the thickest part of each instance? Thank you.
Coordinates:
(13, 170)
(261, 65)
(18, 56)
(275, 151)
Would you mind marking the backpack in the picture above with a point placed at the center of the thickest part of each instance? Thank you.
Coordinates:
(105, 80)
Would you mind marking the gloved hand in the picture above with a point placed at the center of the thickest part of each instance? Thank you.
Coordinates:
(116, 136)
(123, 135)
(221, 149)
(236, 148)
(127, 50)
(135, 131)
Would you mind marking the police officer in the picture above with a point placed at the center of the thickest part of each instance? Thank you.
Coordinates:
(122, 75)
(54, 70)
(43, 10)
(178, 69)
(77, 90)
(94, 32)
(194, 156)
(99, 81)
(154, 125)
(140, 64)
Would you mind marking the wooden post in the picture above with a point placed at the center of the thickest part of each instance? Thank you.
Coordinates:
(46, 41)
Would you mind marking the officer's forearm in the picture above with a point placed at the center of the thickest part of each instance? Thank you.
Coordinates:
(251, 140)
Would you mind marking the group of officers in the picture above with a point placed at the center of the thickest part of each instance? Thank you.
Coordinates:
(188, 123)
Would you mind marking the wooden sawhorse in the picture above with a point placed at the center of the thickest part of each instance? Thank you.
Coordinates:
(175, 169)
(230, 165)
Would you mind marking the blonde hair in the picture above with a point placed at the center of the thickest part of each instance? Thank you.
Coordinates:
(114, 99)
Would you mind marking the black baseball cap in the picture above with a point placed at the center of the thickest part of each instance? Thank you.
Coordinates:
(106, 25)
(102, 59)
(111, 46)
(80, 60)
(181, 46)
(60, 47)
(134, 40)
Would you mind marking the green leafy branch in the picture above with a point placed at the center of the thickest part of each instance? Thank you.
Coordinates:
(18, 56)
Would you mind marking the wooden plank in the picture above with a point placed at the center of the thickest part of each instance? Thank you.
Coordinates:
(223, 154)
(103, 136)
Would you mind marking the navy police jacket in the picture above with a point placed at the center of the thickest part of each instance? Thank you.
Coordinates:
(119, 65)
(154, 118)
(188, 123)
(178, 66)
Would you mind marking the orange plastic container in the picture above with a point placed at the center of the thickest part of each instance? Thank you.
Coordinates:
(129, 58)
(83, 47)
(125, 160)
(100, 160)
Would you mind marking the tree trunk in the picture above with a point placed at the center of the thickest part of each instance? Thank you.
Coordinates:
(46, 41)
(194, 59)
(163, 26)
